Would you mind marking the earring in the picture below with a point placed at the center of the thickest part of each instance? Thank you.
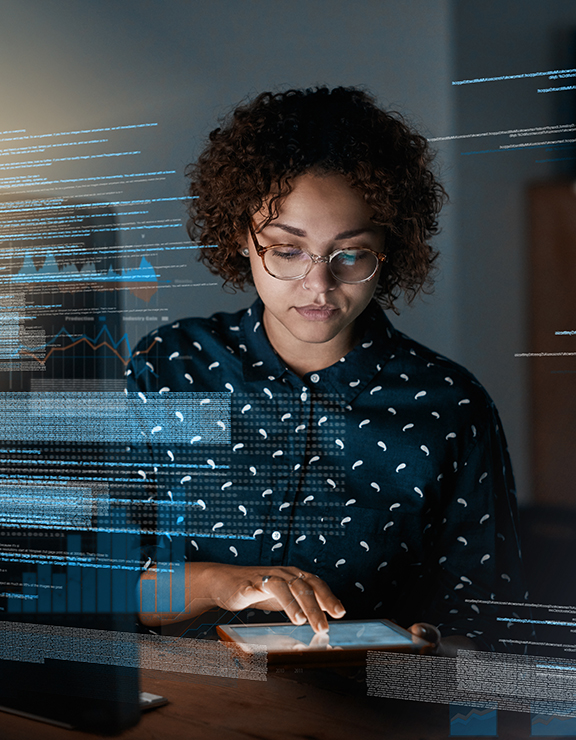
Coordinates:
(246, 252)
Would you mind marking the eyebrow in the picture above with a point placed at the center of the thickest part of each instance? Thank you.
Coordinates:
(300, 232)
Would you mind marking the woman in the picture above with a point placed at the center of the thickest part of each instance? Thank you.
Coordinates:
(366, 475)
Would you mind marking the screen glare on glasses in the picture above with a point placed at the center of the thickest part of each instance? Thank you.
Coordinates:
(288, 262)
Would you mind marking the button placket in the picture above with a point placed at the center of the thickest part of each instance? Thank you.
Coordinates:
(295, 445)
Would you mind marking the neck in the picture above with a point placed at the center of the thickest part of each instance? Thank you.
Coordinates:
(307, 357)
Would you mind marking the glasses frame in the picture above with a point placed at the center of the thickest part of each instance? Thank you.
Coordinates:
(314, 259)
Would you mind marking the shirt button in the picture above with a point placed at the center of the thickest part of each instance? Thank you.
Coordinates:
(276, 535)
(314, 377)
(303, 397)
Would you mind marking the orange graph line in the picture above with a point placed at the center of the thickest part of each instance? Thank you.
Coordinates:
(92, 345)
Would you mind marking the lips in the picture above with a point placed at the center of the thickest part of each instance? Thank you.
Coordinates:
(317, 313)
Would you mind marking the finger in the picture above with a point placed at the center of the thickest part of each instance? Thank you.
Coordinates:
(305, 594)
(323, 594)
(320, 641)
(426, 632)
(278, 589)
(326, 599)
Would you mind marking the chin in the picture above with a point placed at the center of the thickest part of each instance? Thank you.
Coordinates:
(316, 334)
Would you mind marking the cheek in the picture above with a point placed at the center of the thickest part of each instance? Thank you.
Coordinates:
(362, 294)
(259, 275)
(372, 285)
(268, 288)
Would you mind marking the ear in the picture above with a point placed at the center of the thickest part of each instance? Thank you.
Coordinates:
(242, 241)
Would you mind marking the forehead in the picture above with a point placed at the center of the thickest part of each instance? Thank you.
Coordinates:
(320, 206)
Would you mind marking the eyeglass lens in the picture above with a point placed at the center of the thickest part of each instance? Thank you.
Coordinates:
(350, 265)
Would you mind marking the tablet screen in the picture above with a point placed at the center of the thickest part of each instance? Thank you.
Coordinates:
(344, 635)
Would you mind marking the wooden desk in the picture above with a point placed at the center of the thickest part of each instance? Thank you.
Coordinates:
(312, 705)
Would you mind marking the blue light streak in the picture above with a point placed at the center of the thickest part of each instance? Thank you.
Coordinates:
(75, 133)
(513, 77)
(50, 162)
(555, 89)
(11, 151)
(557, 667)
(535, 621)
(38, 180)
(38, 205)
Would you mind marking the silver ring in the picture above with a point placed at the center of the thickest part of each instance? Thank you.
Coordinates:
(265, 579)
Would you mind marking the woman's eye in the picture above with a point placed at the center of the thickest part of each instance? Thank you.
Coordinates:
(352, 256)
(286, 251)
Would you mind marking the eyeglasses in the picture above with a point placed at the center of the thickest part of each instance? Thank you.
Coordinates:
(289, 262)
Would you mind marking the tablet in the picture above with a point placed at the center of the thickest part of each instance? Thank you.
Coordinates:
(345, 641)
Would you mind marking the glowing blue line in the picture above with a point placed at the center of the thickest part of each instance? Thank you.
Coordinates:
(44, 181)
(67, 206)
(101, 462)
(21, 596)
(137, 228)
(74, 478)
(137, 249)
(554, 159)
(42, 147)
(87, 231)
(554, 89)
(23, 452)
(81, 564)
(47, 162)
(203, 466)
(561, 128)
(74, 133)
(32, 181)
(81, 231)
(125, 531)
(59, 220)
(488, 151)
(535, 621)
(558, 667)
(521, 148)
(512, 77)
(145, 368)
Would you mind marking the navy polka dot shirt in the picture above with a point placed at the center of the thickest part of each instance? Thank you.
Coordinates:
(386, 474)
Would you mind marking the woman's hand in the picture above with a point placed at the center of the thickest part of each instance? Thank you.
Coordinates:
(445, 646)
(301, 595)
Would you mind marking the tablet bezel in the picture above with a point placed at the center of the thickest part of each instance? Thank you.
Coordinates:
(355, 655)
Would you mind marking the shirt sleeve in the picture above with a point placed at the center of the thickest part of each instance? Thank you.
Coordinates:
(476, 571)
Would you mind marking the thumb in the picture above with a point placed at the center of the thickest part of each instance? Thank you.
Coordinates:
(426, 632)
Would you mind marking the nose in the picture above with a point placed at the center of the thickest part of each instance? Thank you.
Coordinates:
(319, 279)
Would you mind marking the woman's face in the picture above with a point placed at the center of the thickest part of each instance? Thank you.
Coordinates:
(315, 314)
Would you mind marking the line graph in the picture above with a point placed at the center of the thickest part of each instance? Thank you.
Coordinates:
(102, 339)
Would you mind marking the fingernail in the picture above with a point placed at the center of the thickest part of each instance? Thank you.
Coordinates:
(299, 616)
(340, 610)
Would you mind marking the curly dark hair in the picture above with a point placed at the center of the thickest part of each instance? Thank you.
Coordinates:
(268, 142)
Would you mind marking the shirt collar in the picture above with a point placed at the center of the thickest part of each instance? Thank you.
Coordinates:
(355, 371)
(259, 360)
(346, 378)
